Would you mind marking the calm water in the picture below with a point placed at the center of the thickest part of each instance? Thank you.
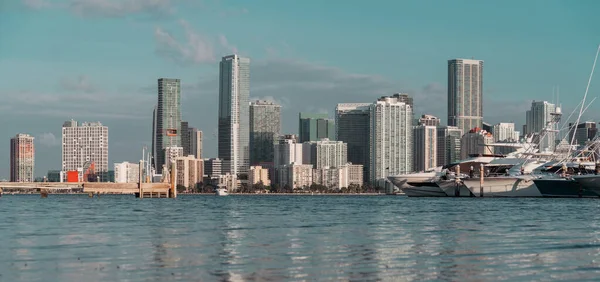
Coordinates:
(280, 238)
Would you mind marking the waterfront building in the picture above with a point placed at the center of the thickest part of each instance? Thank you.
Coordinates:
(448, 145)
(352, 123)
(429, 120)
(265, 128)
(425, 144)
(213, 167)
(476, 142)
(127, 172)
(85, 149)
(584, 132)
(234, 132)
(325, 153)
(228, 181)
(22, 158)
(288, 151)
(391, 138)
(296, 175)
(355, 174)
(338, 177)
(314, 127)
(191, 140)
(171, 153)
(540, 120)
(190, 171)
(258, 174)
(465, 94)
(167, 120)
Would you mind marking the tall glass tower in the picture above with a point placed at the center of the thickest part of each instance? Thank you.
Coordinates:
(465, 94)
(167, 119)
(234, 132)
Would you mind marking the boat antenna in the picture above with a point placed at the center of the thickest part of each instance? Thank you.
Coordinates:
(585, 95)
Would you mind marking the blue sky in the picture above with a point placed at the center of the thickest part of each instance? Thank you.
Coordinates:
(98, 60)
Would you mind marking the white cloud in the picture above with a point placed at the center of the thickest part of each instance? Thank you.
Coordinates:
(48, 139)
(107, 8)
(80, 83)
(196, 49)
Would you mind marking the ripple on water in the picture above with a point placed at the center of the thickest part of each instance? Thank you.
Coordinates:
(277, 238)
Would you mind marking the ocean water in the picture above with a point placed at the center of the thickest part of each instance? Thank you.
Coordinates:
(297, 238)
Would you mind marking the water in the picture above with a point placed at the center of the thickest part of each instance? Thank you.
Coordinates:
(283, 238)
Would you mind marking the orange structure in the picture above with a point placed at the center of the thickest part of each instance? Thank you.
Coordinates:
(72, 176)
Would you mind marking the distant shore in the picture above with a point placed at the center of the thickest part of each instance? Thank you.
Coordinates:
(212, 194)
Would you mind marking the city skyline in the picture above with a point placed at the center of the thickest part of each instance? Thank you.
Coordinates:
(324, 78)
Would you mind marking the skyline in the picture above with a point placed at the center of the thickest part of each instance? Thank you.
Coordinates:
(103, 66)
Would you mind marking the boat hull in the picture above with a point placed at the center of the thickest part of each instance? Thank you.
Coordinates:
(522, 186)
(589, 183)
(429, 190)
(562, 188)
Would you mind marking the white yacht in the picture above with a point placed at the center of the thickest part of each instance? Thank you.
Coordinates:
(221, 192)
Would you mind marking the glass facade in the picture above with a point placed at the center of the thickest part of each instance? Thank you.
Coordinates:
(465, 93)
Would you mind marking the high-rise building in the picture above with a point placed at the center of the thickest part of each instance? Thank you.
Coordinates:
(265, 128)
(185, 138)
(325, 153)
(391, 147)
(429, 120)
(352, 122)
(22, 158)
(85, 149)
(476, 142)
(190, 171)
(585, 131)
(167, 119)
(234, 131)
(314, 127)
(465, 94)
(213, 167)
(172, 153)
(191, 140)
(127, 172)
(542, 119)
(505, 132)
(287, 151)
(448, 145)
(425, 147)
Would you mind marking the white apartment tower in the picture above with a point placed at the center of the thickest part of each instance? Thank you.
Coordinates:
(465, 94)
(325, 153)
(22, 158)
(540, 119)
(233, 132)
(425, 144)
(505, 132)
(85, 146)
(390, 144)
(127, 172)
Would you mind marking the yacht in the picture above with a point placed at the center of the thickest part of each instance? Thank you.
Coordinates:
(568, 180)
(221, 192)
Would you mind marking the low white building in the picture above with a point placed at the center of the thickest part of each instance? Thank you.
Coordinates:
(296, 175)
(127, 172)
(258, 174)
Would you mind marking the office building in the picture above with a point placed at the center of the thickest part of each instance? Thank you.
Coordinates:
(584, 132)
(476, 142)
(22, 158)
(425, 147)
(127, 172)
(213, 167)
(542, 119)
(391, 147)
(265, 128)
(429, 120)
(191, 140)
(505, 132)
(352, 123)
(314, 127)
(465, 94)
(288, 151)
(85, 149)
(167, 119)
(234, 131)
(325, 153)
(448, 145)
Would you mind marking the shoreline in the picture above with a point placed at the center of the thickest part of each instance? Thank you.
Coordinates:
(213, 194)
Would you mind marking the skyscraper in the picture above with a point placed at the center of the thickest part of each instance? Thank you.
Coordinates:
(234, 132)
(425, 147)
(22, 158)
(585, 131)
(542, 119)
(429, 120)
(465, 94)
(448, 145)
(265, 128)
(168, 119)
(313, 127)
(505, 132)
(352, 127)
(85, 149)
(191, 140)
(391, 137)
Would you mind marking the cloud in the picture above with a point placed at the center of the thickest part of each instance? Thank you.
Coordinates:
(81, 83)
(196, 49)
(48, 139)
(107, 8)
